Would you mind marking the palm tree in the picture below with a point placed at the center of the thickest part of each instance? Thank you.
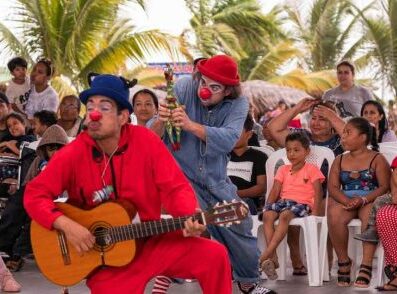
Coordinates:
(80, 36)
(381, 37)
(325, 33)
(229, 26)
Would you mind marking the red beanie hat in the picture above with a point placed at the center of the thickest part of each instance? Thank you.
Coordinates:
(220, 68)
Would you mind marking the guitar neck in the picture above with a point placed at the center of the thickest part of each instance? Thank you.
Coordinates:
(150, 228)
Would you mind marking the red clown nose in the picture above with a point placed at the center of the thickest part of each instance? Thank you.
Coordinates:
(95, 115)
(205, 93)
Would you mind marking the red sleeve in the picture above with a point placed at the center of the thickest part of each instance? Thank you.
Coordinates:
(42, 190)
(177, 195)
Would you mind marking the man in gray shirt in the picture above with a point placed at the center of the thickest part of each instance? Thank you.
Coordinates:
(351, 96)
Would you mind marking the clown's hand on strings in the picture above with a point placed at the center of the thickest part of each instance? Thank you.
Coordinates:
(173, 132)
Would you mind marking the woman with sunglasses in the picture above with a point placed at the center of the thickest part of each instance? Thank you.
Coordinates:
(42, 96)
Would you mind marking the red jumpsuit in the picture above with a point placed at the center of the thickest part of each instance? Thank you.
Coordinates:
(144, 172)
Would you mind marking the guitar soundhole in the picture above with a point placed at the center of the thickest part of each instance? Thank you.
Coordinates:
(103, 240)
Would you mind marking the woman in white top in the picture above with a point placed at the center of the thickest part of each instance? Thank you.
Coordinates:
(373, 112)
(42, 95)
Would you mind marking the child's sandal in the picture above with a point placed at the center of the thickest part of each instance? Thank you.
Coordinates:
(269, 268)
(344, 276)
(362, 281)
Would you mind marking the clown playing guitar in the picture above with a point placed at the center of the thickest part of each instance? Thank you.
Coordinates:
(139, 169)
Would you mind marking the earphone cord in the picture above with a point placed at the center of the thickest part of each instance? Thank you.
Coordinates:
(107, 164)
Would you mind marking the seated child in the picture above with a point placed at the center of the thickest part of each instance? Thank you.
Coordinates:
(11, 144)
(246, 169)
(371, 234)
(296, 192)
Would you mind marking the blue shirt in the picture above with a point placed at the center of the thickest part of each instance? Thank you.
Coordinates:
(204, 162)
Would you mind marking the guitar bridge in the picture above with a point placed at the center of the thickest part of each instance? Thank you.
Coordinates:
(63, 245)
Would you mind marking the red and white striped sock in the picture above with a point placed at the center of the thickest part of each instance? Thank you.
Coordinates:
(161, 285)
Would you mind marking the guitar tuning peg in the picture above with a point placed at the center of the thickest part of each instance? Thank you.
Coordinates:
(237, 222)
(224, 202)
(222, 225)
(217, 204)
(234, 201)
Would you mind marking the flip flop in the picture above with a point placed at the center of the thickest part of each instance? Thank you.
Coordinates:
(299, 271)
(269, 268)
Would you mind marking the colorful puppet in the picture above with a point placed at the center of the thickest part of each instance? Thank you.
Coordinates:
(174, 133)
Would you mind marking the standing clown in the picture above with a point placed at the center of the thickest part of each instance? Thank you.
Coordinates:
(211, 119)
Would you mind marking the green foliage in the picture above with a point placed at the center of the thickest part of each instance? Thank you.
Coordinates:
(80, 36)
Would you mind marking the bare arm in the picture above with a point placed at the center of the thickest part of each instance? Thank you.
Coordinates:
(278, 126)
(255, 191)
(274, 193)
(318, 197)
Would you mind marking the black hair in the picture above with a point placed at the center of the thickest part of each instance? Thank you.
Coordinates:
(364, 127)
(16, 61)
(248, 123)
(46, 117)
(149, 92)
(17, 116)
(300, 137)
(4, 98)
(197, 60)
(383, 125)
(346, 63)
(49, 66)
(74, 97)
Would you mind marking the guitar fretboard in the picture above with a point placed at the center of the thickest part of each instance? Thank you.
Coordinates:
(150, 228)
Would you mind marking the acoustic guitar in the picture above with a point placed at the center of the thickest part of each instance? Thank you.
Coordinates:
(111, 225)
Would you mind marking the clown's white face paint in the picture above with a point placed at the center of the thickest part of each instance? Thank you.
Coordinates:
(217, 90)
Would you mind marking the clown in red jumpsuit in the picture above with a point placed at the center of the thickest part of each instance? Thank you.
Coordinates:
(137, 164)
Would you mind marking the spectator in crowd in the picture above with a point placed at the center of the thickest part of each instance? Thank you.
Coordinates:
(18, 88)
(296, 192)
(17, 129)
(347, 96)
(386, 224)
(4, 111)
(211, 119)
(355, 181)
(15, 223)
(325, 128)
(69, 118)
(7, 281)
(145, 104)
(42, 95)
(246, 169)
(325, 125)
(42, 120)
(373, 112)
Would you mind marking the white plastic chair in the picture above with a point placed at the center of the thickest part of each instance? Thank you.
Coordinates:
(268, 150)
(315, 240)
